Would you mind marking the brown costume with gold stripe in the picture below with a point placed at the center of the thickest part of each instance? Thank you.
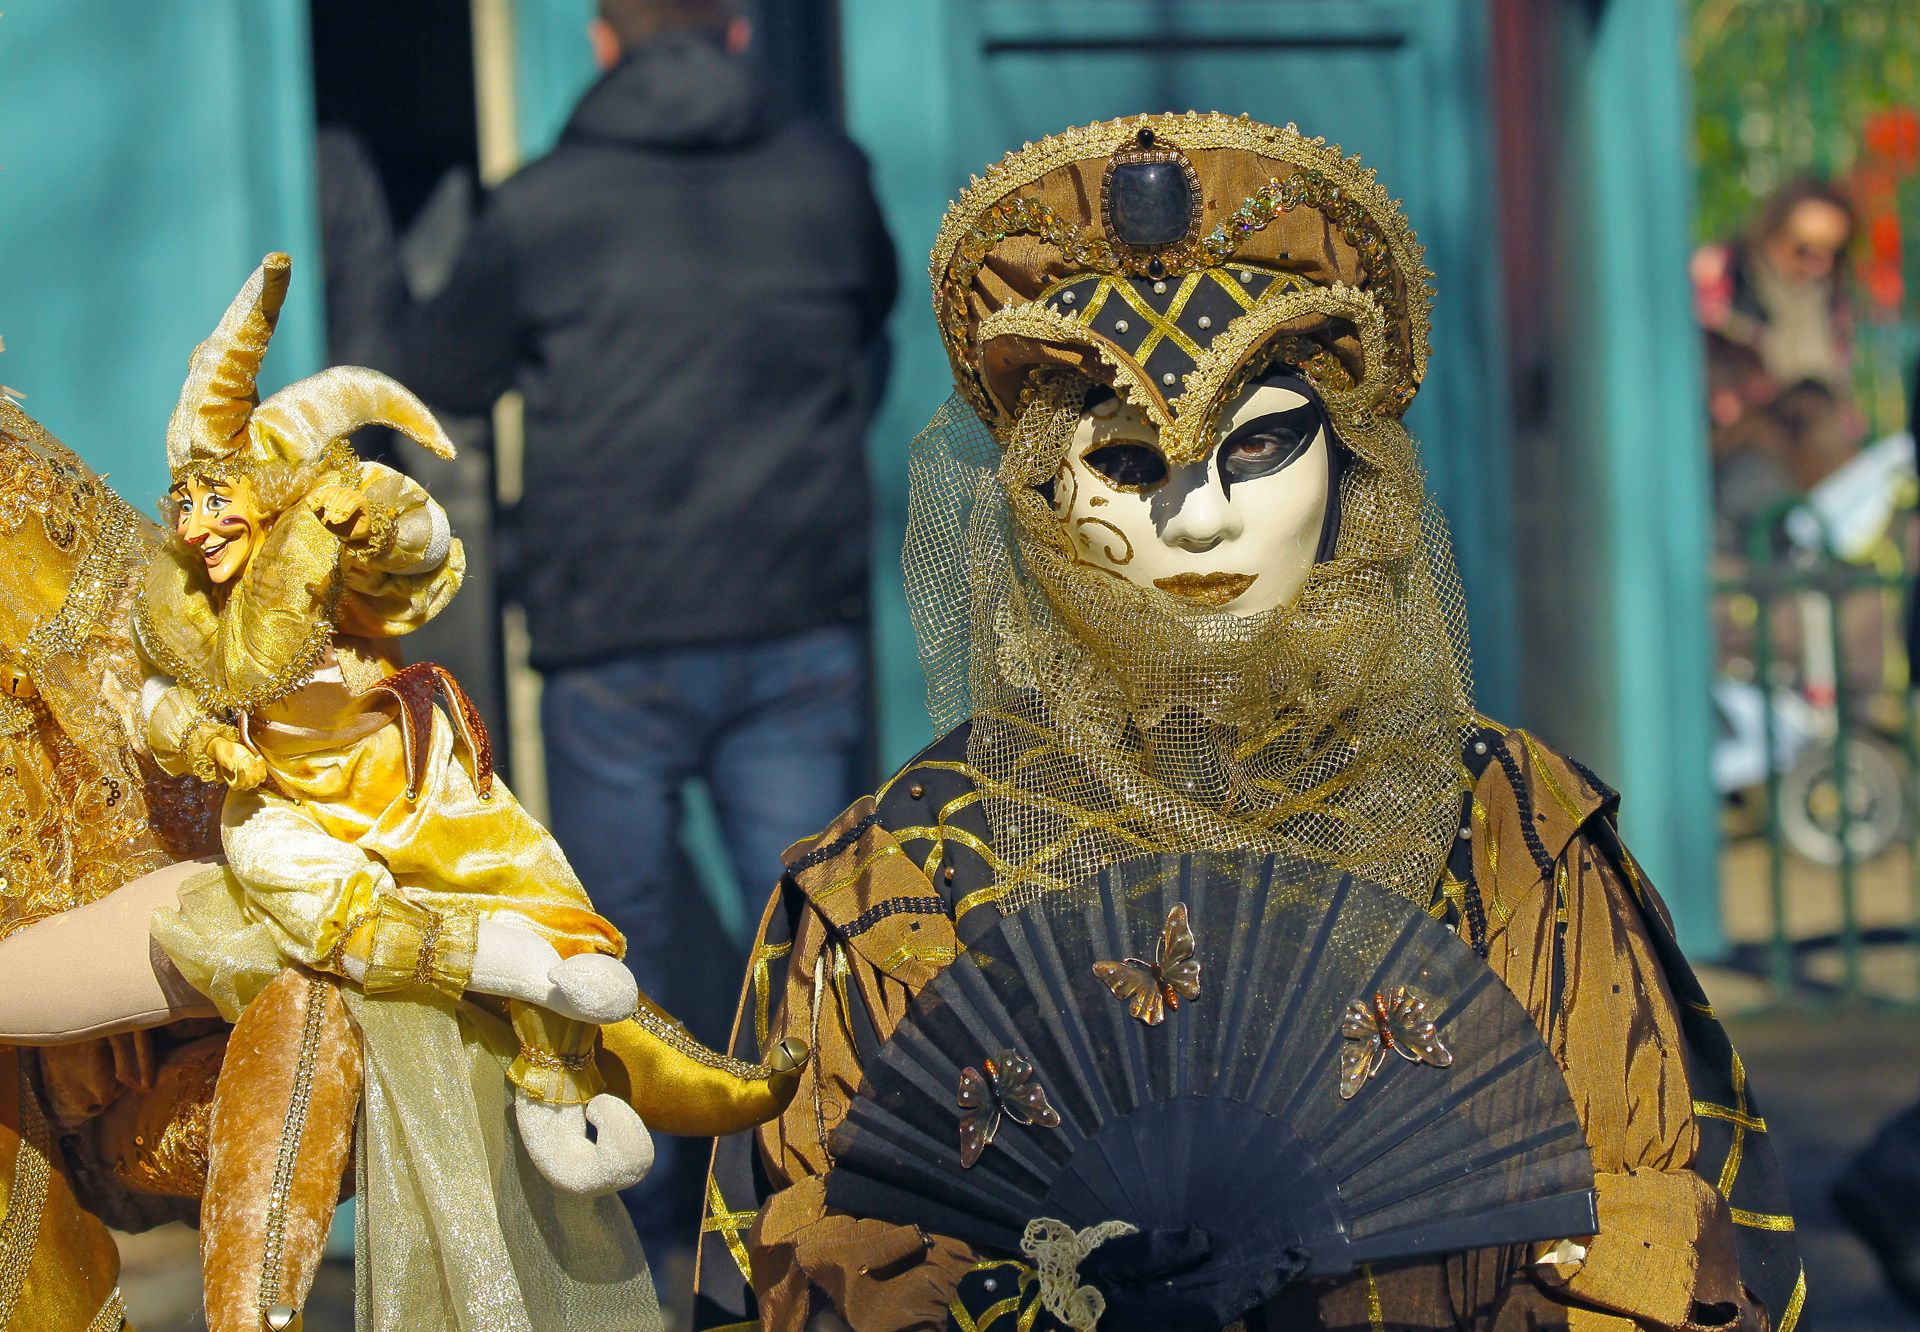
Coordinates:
(1694, 1231)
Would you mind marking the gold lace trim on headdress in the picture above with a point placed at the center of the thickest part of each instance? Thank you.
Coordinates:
(1323, 178)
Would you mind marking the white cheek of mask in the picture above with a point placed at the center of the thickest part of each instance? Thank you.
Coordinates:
(1243, 544)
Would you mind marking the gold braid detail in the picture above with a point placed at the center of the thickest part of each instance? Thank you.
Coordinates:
(1034, 320)
(113, 1314)
(539, 1058)
(298, 669)
(20, 1231)
(102, 575)
(1338, 185)
(671, 1033)
(291, 1134)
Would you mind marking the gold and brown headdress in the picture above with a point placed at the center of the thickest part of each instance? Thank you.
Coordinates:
(220, 428)
(1171, 256)
(1176, 258)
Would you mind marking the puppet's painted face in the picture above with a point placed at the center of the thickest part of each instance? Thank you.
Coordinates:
(221, 522)
(1238, 530)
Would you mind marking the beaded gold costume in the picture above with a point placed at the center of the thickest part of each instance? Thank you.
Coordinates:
(104, 1128)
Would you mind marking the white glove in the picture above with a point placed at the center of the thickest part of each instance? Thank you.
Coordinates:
(618, 1156)
(515, 963)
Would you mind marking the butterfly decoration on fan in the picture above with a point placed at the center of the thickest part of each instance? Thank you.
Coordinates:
(1149, 989)
(1006, 1091)
(1394, 1022)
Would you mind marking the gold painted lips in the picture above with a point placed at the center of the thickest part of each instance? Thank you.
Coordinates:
(1210, 589)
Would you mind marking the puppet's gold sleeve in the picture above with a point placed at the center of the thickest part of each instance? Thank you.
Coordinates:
(179, 733)
(406, 945)
(407, 567)
(555, 1063)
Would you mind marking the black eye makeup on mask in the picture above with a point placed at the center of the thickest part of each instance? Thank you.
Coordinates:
(1269, 444)
(1128, 464)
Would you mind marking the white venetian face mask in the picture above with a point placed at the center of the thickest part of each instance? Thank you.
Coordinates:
(1238, 530)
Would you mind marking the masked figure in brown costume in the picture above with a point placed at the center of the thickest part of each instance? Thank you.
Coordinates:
(1179, 589)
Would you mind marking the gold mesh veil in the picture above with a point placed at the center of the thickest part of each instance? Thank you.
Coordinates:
(1111, 719)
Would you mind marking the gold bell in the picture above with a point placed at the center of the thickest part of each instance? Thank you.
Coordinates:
(15, 681)
(282, 1318)
(788, 1055)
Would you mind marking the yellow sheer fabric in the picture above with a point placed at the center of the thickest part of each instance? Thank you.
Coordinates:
(458, 1233)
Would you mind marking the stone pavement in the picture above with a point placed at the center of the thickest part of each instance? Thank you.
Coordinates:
(1825, 1081)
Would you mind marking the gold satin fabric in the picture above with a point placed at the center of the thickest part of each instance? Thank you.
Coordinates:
(58, 1265)
(337, 761)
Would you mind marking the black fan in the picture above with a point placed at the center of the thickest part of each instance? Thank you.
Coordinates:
(1221, 1131)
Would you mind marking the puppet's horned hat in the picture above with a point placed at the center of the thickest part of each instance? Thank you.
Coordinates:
(220, 428)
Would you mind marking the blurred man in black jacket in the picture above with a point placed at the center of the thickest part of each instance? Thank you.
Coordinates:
(690, 292)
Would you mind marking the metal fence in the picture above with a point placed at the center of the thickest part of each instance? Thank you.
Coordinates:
(1819, 759)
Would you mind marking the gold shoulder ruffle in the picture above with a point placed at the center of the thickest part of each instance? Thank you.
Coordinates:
(271, 635)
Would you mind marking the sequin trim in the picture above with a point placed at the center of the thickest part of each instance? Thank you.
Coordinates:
(677, 1037)
(20, 1231)
(291, 1135)
(548, 1059)
(113, 1314)
(101, 577)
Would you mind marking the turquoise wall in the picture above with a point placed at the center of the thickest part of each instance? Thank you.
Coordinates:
(150, 153)
(1634, 366)
(553, 64)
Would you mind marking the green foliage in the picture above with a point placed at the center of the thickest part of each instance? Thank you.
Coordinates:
(1784, 88)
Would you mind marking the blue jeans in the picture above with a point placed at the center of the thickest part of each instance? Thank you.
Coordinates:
(778, 732)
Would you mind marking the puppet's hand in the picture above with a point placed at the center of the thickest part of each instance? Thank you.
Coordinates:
(343, 511)
(594, 988)
(515, 963)
(617, 1156)
(239, 767)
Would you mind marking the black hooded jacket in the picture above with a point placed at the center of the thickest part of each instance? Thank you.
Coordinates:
(690, 291)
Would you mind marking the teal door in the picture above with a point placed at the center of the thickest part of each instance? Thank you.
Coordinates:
(936, 89)
(149, 155)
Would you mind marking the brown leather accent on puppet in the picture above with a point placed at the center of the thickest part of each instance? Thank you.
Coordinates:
(415, 686)
(282, 1135)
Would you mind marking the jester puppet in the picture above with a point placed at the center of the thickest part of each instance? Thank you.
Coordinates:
(423, 998)
(1183, 601)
